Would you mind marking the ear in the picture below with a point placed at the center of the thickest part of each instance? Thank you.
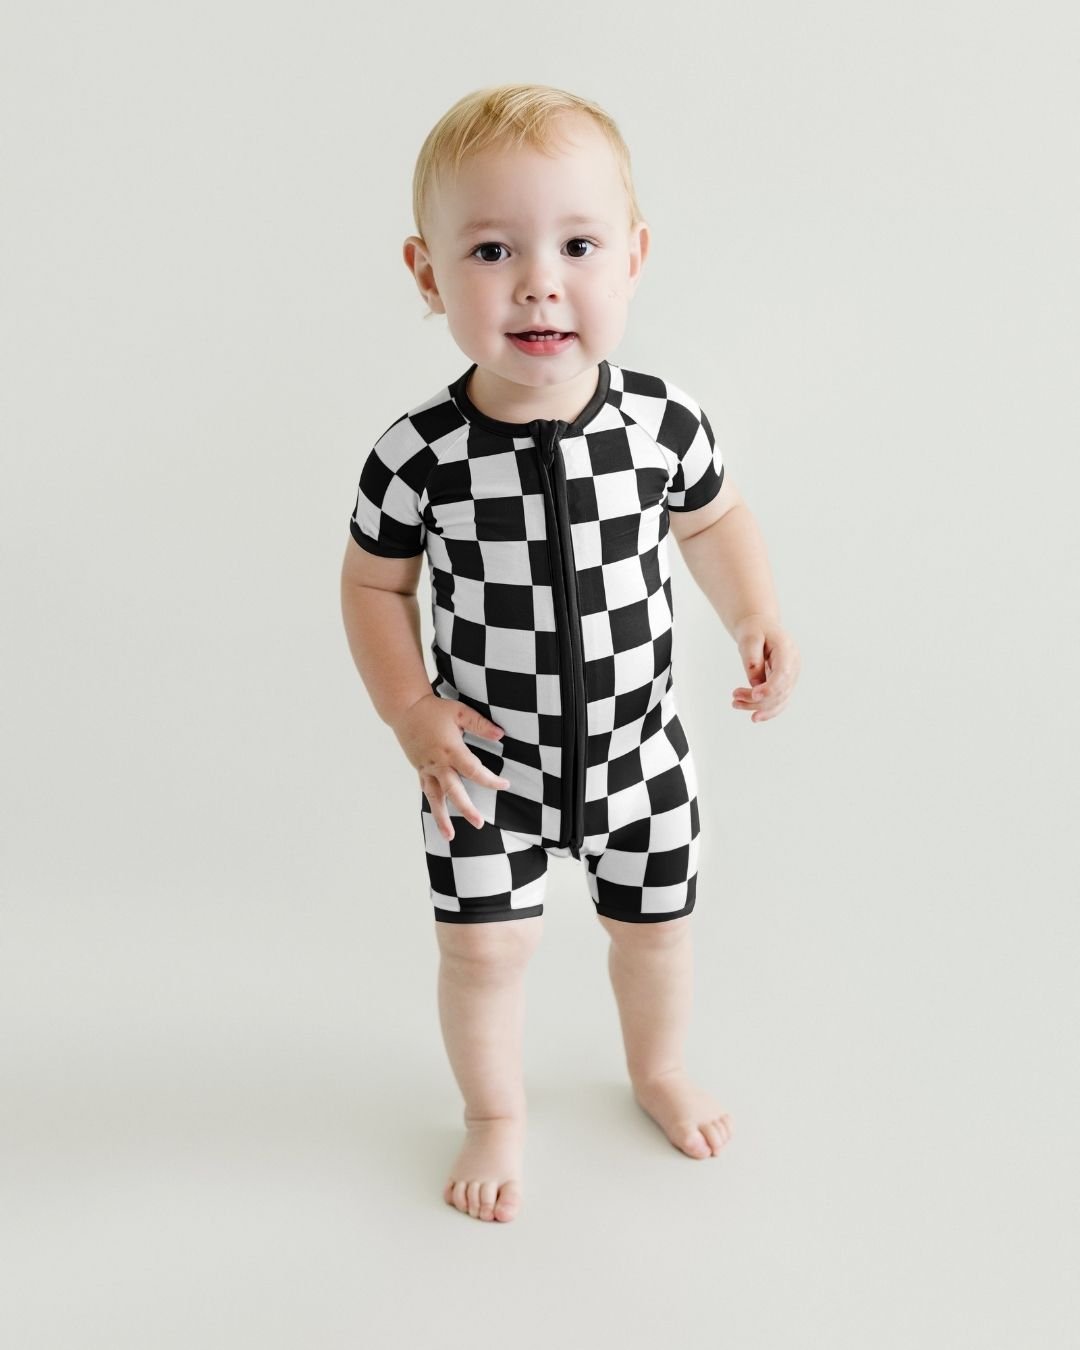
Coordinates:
(417, 259)
(639, 249)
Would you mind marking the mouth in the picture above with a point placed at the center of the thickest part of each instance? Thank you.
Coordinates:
(537, 333)
(541, 342)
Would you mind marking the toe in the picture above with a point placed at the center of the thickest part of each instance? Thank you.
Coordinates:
(714, 1134)
(488, 1191)
(692, 1141)
(509, 1199)
(459, 1200)
(473, 1194)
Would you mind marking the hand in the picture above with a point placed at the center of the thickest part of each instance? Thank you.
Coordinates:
(772, 663)
(430, 734)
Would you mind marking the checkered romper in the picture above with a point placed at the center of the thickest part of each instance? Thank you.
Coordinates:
(552, 614)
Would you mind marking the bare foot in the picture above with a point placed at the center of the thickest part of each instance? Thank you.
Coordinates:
(691, 1119)
(485, 1180)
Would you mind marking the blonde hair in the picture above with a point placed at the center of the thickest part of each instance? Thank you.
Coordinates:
(506, 116)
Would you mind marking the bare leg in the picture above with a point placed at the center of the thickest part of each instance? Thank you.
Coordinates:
(651, 968)
(482, 1011)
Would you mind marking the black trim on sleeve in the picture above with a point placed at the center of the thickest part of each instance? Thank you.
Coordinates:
(384, 550)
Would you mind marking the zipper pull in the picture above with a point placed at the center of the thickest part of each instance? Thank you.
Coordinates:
(547, 441)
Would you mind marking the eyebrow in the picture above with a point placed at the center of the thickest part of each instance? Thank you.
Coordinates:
(485, 224)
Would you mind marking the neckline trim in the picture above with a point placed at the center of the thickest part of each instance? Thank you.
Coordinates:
(472, 413)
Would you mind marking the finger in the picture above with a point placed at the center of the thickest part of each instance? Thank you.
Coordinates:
(455, 789)
(784, 660)
(767, 714)
(770, 705)
(762, 697)
(436, 795)
(481, 725)
(472, 767)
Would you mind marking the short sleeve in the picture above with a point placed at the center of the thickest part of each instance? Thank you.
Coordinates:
(387, 518)
(687, 430)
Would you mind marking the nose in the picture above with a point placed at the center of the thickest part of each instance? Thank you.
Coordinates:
(538, 281)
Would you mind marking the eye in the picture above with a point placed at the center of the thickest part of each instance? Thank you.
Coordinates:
(492, 244)
(477, 249)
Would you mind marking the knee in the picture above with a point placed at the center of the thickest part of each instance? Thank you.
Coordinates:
(489, 947)
(662, 935)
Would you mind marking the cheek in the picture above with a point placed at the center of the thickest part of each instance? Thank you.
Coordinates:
(612, 289)
(483, 300)
(469, 291)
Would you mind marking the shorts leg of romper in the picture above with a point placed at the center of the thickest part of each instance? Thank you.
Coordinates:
(482, 875)
(644, 868)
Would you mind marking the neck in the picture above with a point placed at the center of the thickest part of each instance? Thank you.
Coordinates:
(509, 402)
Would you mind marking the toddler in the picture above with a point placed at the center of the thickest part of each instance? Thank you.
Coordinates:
(542, 484)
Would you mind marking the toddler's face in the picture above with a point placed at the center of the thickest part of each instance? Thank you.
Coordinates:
(521, 240)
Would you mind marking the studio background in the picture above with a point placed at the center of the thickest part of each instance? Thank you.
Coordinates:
(228, 1112)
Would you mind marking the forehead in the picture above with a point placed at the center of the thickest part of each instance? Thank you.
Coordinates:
(575, 182)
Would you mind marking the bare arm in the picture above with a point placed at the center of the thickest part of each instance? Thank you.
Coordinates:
(382, 623)
(725, 554)
(728, 561)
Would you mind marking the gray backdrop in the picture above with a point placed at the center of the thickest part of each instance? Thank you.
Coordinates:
(228, 1113)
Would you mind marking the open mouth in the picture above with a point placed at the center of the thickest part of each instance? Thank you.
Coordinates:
(539, 335)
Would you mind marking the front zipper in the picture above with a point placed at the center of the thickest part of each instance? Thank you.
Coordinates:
(564, 577)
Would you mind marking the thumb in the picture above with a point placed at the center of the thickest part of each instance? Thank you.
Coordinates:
(752, 651)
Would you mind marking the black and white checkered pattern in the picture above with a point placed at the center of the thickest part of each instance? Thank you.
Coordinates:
(552, 615)
(641, 869)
